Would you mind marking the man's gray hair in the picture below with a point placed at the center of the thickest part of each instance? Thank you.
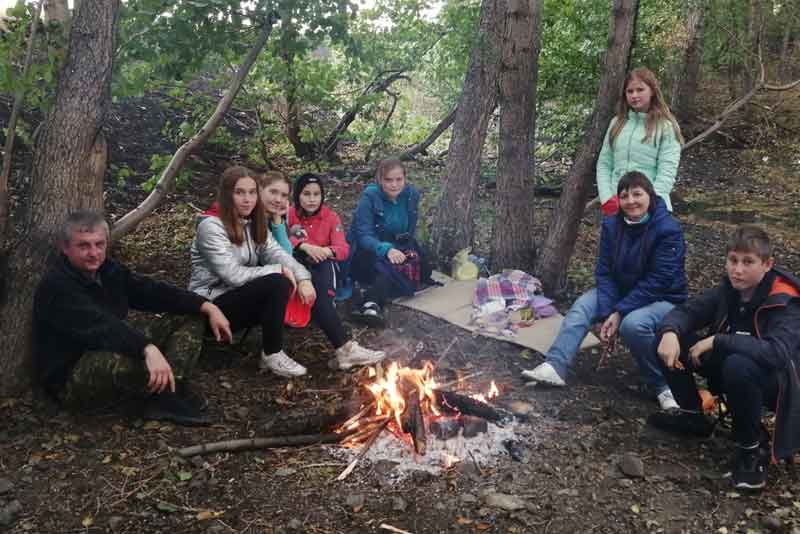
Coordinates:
(82, 221)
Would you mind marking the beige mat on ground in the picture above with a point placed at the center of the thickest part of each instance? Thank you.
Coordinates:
(453, 303)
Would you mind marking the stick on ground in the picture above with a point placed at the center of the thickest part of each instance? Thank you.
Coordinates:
(260, 443)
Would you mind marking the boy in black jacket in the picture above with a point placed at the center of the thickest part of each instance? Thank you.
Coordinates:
(751, 354)
(85, 353)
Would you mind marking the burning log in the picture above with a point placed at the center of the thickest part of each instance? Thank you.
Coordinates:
(413, 423)
(455, 403)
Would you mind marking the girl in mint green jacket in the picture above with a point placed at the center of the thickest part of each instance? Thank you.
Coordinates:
(643, 136)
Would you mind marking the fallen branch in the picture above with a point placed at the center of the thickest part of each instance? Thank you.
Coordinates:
(390, 528)
(260, 443)
(131, 219)
(344, 474)
(422, 147)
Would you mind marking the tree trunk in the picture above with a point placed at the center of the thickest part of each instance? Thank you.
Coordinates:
(60, 167)
(785, 63)
(563, 231)
(453, 223)
(513, 244)
(685, 87)
(56, 11)
(753, 37)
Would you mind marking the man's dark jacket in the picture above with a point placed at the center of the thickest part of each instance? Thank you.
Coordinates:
(775, 345)
(638, 265)
(73, 314)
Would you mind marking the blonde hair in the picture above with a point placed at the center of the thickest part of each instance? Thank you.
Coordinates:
(658, 112)
(270, 177)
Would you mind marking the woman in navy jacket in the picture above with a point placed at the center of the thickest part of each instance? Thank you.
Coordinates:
(640, 276)
(386, 259)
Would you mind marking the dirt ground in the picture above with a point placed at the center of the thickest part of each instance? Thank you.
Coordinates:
(107, 472)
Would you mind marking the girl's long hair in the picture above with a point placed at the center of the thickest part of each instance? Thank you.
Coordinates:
(234, 226)
(658, 112)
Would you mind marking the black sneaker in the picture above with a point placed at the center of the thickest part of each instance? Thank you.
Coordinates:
(170, 407)
(683, 422)
(370, 314)
(750, 468)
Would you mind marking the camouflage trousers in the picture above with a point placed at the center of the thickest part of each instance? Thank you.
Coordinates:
(102, 378)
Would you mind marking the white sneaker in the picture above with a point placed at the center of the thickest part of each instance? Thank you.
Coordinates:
(351, 354)
(546, 374)
(280, 364)
(666, 400)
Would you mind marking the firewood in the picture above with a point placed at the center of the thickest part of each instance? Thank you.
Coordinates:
(258, 443)
(456, 403)
(414, 423)
(344, 474)
(308, 420)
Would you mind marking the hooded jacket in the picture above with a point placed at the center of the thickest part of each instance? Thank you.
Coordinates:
(774, 345)
(323, 229)
(657, 159)
(638, 265)
(368, 229)
(219, 265)
(73, 314)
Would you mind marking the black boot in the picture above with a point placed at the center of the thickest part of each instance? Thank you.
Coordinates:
(683, 422)
(170, 407)
(750, 467)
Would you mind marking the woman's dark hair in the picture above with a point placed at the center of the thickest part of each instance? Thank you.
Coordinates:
(227, 211)
(633, 179)
(300, 183)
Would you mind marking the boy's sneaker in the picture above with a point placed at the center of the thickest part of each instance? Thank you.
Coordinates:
(371, 314)
(666, 400)
(683, 422)
(545, 374)
(171, 407)
(750, 468)
(280, 364)
(351, 354)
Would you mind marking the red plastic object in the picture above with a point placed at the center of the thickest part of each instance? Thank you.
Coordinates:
(298, 313)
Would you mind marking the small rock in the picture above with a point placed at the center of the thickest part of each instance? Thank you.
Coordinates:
(446, 427)
(399, 504)
(474, 426)
(773, 523)
(468, 498)
(504, 501)
(5, 486)
(625, 483)
(631, 464)
(295, 524)
(115, 522)
(9, 513)
(355, 501)
(285, 471)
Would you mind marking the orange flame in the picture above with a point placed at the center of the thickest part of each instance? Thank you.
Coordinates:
(491, 394)
(389, 397)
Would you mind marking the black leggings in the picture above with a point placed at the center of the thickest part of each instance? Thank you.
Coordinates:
(259, 302)
(323, 276)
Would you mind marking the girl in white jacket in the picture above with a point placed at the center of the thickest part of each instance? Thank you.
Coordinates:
(237, 264)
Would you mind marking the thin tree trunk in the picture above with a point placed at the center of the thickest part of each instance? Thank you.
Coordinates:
(56, 11)
(785, 65)
(453, 221)
(753, 35)
(563, 231)
(11, 132)
(513, 244)
(422, 147)
(131, 219)
(686, 83)
(63, 150)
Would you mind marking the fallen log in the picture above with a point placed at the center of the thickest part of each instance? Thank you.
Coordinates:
(309, 420)
(260, 443)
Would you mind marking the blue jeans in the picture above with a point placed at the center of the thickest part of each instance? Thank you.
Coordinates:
(638, 330)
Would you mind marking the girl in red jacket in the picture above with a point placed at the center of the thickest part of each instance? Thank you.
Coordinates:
(316, 233)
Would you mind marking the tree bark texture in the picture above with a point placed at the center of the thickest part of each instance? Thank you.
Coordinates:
(131, 219)
(790, 23)
(60, 165)
(685, 87)
(753, 36)
(559, 244)
(513, 244)
(453, 221)
(56, 11)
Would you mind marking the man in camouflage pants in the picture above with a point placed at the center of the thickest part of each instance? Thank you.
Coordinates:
(87, 355)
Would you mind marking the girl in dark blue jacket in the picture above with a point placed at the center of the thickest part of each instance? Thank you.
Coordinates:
(386, 259)
(640, 277)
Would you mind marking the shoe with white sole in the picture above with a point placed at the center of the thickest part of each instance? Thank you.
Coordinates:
(666, 400)
(280, 364)
(351, 354)
(545, 374)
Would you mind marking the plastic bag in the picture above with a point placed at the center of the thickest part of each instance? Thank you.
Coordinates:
(462, 268)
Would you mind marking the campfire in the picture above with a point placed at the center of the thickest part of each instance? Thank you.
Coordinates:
(409, 403)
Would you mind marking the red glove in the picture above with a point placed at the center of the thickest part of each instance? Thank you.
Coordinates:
(611, 206)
